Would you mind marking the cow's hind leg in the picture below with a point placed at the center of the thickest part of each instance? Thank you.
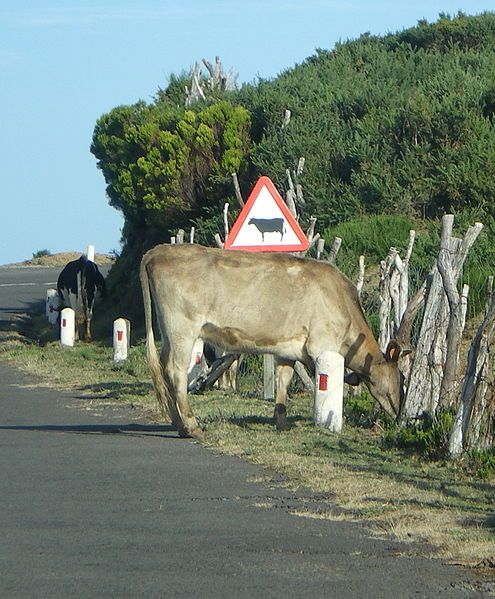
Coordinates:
(171, 406)
(176, 379)
(284, 373)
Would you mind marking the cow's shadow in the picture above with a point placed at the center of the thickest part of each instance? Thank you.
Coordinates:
(246, 421)
(114, 390)
(132, 429)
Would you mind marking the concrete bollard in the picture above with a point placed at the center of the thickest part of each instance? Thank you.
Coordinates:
(121, 339)
(197, 365)
(52, 305)
(67, 327)
(329, 391)
(90, 253)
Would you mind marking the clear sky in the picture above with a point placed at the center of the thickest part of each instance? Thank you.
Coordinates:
(65, 63)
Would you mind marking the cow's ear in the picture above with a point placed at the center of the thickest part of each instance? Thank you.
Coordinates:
(353, 379)
(392, 353)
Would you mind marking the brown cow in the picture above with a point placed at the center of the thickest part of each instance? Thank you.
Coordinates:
(256, 303)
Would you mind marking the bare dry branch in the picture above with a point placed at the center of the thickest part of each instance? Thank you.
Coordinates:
(237, 189)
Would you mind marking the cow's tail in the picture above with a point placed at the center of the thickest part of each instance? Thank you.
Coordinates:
(155, 366)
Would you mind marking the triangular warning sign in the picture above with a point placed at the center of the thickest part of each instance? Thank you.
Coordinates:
(265, 224)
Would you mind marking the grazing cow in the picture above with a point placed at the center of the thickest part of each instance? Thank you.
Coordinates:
(268, 225)
(256, 303)
(77, 285)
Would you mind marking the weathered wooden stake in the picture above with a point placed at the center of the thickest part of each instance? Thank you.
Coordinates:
(360, 278)
(237, 189)
(320, 246)
(334, 250)
(226, 219)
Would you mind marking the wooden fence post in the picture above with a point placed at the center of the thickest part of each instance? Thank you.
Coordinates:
(467, 428)
(334, 250)
(427, 371)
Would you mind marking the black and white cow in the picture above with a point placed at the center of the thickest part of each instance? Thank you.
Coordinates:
(77, 286)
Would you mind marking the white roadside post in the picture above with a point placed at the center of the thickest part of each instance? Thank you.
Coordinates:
(197, 365)
(90, 253)
(52, 305)
(67, 327)
(329, 391)
(121, 339)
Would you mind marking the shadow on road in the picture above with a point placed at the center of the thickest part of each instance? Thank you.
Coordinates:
(140, 430)
(16, 319)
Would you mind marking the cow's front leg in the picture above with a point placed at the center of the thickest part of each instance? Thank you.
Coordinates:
(283, 375)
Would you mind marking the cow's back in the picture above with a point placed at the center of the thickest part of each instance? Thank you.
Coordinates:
(264, 296)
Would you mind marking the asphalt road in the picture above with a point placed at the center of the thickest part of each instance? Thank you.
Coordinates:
(112, 506)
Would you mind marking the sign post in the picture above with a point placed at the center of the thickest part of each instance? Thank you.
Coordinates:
(265, 224)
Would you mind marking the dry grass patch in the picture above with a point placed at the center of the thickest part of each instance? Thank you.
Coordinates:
(354, 474)
(61, 259)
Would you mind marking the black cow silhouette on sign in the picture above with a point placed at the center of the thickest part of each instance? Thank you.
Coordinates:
(268, 225)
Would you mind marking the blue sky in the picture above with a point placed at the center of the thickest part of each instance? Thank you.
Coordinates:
(64, 64)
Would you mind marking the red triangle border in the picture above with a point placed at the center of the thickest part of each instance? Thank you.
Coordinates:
(244, 213)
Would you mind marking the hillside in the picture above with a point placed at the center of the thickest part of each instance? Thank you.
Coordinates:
(399, 125)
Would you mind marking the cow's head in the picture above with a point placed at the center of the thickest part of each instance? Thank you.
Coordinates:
(384, 380)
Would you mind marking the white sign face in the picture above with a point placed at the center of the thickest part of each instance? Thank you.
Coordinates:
(265, 223)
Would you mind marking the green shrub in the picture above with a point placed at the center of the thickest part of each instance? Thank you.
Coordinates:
(429, 438)
(363, 411)
(481, 463)
(41, 253)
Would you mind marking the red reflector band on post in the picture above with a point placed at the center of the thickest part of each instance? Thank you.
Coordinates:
(64, 322)
(323, 382)
(198, 358)
(120, 335)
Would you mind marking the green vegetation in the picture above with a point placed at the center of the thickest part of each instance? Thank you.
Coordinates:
(396, 130)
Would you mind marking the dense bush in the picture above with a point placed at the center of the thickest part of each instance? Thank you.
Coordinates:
(396, 130)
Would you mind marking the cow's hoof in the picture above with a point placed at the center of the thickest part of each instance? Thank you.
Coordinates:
(196, 433)
(279, 414)
(282, 424)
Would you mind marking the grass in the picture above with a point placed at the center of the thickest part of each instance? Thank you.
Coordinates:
(439, 507)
